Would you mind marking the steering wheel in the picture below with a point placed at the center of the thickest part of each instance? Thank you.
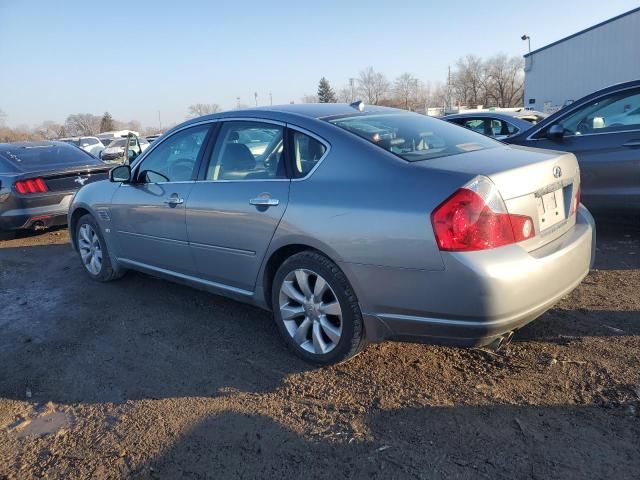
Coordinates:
(181, 169)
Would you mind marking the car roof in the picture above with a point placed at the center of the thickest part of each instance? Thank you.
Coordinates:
(33, 144)
(307, 110)
(291, 112)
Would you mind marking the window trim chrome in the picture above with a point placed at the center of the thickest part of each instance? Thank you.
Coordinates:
(327, 145)
(292, 127)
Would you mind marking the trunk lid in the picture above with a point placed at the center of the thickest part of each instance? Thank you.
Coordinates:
(69, 179)
(541, 184)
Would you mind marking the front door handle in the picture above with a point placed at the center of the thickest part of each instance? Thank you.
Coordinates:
(174, 200)
(264, 202)
(632, 144)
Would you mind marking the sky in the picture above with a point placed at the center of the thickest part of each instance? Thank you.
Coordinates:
(137, 58)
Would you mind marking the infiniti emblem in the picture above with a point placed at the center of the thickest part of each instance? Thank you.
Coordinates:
(81, 180)
(557, 172)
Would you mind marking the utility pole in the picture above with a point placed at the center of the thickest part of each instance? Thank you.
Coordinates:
(270, 98)
(159, 122)
(255, 94)
(448, 91)
(351, 82)
(238, 100)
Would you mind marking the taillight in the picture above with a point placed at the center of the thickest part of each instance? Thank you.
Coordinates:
(476, 218)
(575, 202)
(32, 185)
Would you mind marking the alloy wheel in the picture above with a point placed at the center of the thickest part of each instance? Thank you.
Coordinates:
(310, 311)
(90, 249)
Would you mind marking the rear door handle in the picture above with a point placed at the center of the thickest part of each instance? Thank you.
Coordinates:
(632, 144)
(174, 200)
(264, 202)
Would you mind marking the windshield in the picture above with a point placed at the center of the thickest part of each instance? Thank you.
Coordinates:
(47, 157)
(414, 137)
(121, 142)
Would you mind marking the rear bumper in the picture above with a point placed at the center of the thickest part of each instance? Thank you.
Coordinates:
(44, 216)
(479, 296)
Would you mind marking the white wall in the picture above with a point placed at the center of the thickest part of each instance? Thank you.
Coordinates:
(580, 65)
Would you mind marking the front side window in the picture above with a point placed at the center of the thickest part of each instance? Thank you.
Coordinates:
(248, 150)
(614, 113)
(414, 137)
(174, 159)
(307, 151)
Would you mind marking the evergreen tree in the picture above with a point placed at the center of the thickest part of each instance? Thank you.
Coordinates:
(325, 92)
(106, 124)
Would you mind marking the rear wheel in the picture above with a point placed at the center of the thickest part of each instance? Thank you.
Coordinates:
(93, 250)
(316, 309)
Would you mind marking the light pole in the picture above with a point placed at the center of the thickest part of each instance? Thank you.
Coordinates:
(351, 82)
(238, 99)
(255, 94)
(270, 98)
(528, 39)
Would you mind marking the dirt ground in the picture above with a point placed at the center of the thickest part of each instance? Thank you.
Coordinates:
(146, 379)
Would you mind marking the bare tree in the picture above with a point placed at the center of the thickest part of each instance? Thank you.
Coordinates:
(307, 98)
(505, 78)
(405, 89)
(50, 130)
(3, 117)
(343, 95)
(469, 81)
(200, 109)
(372, 85)
(80, 124)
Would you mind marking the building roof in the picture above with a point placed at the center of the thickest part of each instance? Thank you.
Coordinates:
(598, 25)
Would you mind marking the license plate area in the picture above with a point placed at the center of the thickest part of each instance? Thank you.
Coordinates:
(550, 209)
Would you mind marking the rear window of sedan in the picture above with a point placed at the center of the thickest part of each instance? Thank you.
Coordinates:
(414, 137)
(47, 156)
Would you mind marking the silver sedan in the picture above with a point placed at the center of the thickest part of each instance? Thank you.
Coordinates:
(352, 224)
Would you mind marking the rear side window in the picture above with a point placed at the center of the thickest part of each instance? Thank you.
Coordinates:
(31, 158)
(307, 151)
(414, 137)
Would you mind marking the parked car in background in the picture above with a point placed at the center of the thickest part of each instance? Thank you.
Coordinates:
(153, 138)
(108, 137)
(115, 151)
(351, 223)
(93, 145)
(38, 179)
(497, 124)
(603, 131)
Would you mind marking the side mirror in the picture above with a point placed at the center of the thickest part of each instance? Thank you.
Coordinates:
(121, 173)
(556, 132)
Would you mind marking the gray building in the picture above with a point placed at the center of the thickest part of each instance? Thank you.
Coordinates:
(594, 58)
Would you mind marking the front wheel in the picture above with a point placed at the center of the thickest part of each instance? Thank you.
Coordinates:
(93, 250)
(316, 309)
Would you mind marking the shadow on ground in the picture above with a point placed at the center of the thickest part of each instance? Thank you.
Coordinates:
(461, 442)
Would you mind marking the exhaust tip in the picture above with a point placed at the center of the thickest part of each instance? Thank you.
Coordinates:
(38, 226)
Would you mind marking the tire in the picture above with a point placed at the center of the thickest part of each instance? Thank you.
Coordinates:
(105, 273)
(309, 322)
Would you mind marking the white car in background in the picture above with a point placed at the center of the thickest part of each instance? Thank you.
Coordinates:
(115, 150)
(93, 145)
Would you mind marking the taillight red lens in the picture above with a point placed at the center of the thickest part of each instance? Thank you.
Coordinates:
(576, 202)
(31, 185)
(465, 221)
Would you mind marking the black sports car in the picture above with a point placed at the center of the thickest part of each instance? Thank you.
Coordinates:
(38, 180)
